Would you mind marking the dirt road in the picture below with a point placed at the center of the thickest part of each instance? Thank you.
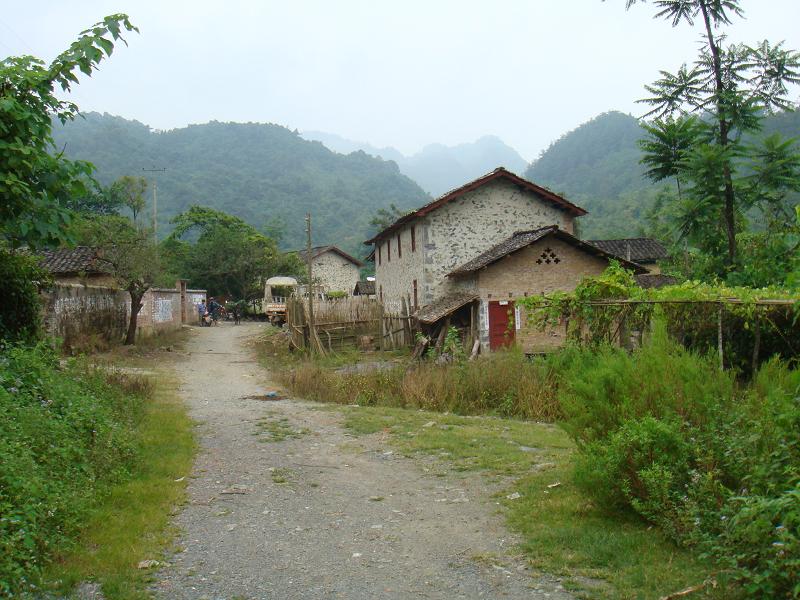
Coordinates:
(321, 514)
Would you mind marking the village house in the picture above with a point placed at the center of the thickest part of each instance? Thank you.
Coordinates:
(333, 269)
(80, 265)
(414, 255)
(465, 258)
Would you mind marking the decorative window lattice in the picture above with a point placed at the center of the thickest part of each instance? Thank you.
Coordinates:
(547, 257)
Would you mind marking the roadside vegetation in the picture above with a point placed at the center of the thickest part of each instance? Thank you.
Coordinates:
(658, 436)
(78, 447)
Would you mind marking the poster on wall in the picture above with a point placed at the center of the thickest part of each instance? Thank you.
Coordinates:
(162, 312)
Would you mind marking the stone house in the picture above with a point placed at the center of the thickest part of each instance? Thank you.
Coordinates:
(333, 269)
(415, 254)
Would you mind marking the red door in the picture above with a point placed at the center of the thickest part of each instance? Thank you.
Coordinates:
(501, 326)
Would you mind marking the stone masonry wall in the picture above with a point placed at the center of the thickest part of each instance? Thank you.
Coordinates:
(335, 273)
(464, 228)
(395, 277)
(456, 233)
(518, 275)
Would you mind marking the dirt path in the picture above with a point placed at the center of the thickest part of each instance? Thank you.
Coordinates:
(319, 516)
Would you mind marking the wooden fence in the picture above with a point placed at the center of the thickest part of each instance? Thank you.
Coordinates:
(348, 322)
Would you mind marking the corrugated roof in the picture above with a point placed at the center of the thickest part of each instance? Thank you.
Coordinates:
(521, 239)
(635, 249)
(320, 250)
(446, 305)
(81, 259)
(498, 173)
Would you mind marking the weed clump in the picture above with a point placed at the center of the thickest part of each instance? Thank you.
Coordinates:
(66, 435)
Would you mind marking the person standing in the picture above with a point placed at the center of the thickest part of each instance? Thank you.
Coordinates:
(201, 309)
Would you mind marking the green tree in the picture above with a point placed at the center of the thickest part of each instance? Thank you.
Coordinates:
(36, 182)
(730, 88)
(384, 217)
(129, 192)
(128, 252)
(229, 256)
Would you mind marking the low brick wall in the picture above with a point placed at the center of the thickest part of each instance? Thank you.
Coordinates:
(160, 312)
(75, 313)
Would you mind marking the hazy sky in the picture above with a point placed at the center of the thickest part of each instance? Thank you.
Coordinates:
(404, 73)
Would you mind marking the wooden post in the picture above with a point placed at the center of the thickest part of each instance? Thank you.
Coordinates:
(757, 343)
(381, 345)
(719, 338)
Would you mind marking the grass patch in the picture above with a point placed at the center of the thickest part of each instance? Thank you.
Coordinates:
(131, 524)
(562, 532)
(277, 429)
(281, 475)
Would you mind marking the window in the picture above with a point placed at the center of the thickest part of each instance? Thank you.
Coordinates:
(416, 304)
(380, 254)
(399, 247)
(381, 290)
(389, 251)
(413, 238)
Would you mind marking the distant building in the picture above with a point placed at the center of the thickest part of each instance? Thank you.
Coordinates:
(81, 265)
(333, 269)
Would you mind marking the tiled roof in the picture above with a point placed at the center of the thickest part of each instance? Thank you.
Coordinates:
(498, 173)
(521, 239)
(320, 250)
(655, 280)
(364, 288)
(81, 259)
(430, 313)
(635, 249)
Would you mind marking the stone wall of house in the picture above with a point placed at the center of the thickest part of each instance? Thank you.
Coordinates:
(77, 313)
(335, 273)
(519, 275)
(458, 232)
(395, 272)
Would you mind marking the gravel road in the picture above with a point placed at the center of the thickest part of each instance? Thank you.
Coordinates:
(322, 514)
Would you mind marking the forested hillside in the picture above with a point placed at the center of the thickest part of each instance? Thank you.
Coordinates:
(597, 166)
(265, 174)
(437, 168)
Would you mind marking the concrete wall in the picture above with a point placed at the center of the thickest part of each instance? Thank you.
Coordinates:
(76, 313)
(518, 275)
(458, 232)
(160, 312)
(335, 273)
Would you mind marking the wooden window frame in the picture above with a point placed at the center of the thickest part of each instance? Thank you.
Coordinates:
(380, 255)
(416, 303)
(389, 250)
(413, 238)
(399, 246)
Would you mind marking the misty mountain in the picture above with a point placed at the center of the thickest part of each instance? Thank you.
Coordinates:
(266, 174)
(597, 167)
(437, 168)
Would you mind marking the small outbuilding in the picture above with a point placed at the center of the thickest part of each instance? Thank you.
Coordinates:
(81, 265)
(333, 269)
(528, 263)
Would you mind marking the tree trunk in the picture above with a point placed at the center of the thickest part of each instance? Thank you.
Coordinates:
(136, 306)
(728, 212)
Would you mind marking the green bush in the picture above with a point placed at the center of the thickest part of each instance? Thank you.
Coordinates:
(664, 433)
(21, 275)
(66, 434)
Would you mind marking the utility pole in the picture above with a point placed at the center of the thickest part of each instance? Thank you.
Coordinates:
(155, 200)
(310, 283)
